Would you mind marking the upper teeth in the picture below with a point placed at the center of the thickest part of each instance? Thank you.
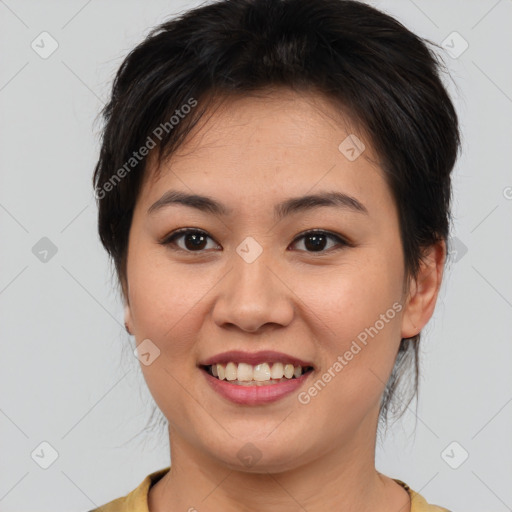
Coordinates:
(260, 372)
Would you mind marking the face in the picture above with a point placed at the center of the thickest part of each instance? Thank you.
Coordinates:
(255, 278)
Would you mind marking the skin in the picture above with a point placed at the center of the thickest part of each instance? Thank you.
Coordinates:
(251, 154)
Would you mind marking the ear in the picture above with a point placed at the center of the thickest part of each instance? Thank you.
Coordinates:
(128, 318)
(423, 290)
(125, 291)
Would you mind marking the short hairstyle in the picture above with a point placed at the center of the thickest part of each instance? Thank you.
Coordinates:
(386, 79)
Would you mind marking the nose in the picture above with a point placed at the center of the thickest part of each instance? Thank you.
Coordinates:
(253, 296)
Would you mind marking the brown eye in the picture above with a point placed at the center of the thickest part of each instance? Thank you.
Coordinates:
(316, 241)
(194, 240)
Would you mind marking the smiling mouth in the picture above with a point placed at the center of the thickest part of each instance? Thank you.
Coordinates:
(264, 374)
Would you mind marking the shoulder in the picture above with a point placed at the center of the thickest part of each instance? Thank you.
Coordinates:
(136, 500)
(418, 502)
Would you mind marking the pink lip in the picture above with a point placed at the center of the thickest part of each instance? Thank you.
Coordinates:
(254, 395)
(253, 358)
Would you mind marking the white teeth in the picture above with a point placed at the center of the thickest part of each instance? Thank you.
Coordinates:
(231, 371)
(277, 371)
(264, 372)
(245, 372)
(288, 371)
(261, 372)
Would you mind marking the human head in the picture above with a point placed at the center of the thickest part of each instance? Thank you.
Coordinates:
(381, 76)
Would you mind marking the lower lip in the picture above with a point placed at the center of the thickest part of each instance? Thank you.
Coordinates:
(255, 395)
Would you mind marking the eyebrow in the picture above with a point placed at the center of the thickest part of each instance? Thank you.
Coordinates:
(281, 210)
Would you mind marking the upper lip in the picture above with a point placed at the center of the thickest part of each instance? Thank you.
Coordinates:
(254, 358)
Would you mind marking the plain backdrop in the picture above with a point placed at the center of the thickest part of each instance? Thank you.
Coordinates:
(70, 400)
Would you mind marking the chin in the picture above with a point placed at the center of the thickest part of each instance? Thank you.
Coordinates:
(260, 456)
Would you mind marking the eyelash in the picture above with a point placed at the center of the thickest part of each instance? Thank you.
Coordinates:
(170, 239)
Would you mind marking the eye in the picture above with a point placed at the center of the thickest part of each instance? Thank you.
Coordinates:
(195, 240)
(315, 240)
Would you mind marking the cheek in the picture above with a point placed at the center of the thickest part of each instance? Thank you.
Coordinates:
(354, 314)
(351, 297)
(166, 308)
(164, 304)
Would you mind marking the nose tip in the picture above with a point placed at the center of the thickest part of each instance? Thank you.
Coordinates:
(255, 327)
(251, 297)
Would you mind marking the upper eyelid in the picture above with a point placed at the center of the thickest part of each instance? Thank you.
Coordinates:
(184, 231)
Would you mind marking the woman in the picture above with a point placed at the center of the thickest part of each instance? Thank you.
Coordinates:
(274, 190)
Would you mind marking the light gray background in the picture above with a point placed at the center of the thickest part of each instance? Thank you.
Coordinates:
(63, 379)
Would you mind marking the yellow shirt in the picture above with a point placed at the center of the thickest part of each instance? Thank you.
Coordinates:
(137, 500)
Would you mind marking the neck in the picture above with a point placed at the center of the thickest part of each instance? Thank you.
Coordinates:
(343, 479)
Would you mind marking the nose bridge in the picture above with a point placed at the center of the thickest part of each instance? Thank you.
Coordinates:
(252, 296)
(251, 268)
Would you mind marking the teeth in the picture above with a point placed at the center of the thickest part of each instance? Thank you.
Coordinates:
(264, 372)
(231, 371)
(277, 371)
(245, 372)
(288, 371)
(261, 372)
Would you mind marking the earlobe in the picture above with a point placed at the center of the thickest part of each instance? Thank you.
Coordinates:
(424, 290)
(127, 319)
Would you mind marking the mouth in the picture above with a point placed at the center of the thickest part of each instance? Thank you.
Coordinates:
(263, 374)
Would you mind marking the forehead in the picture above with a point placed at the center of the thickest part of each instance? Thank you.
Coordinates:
(279, 118)
(266, 143)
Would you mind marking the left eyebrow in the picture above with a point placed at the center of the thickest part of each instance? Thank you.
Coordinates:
(309, 202)
(285, 208)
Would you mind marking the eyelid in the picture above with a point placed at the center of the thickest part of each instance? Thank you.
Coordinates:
(169, 239)
(341, 239)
